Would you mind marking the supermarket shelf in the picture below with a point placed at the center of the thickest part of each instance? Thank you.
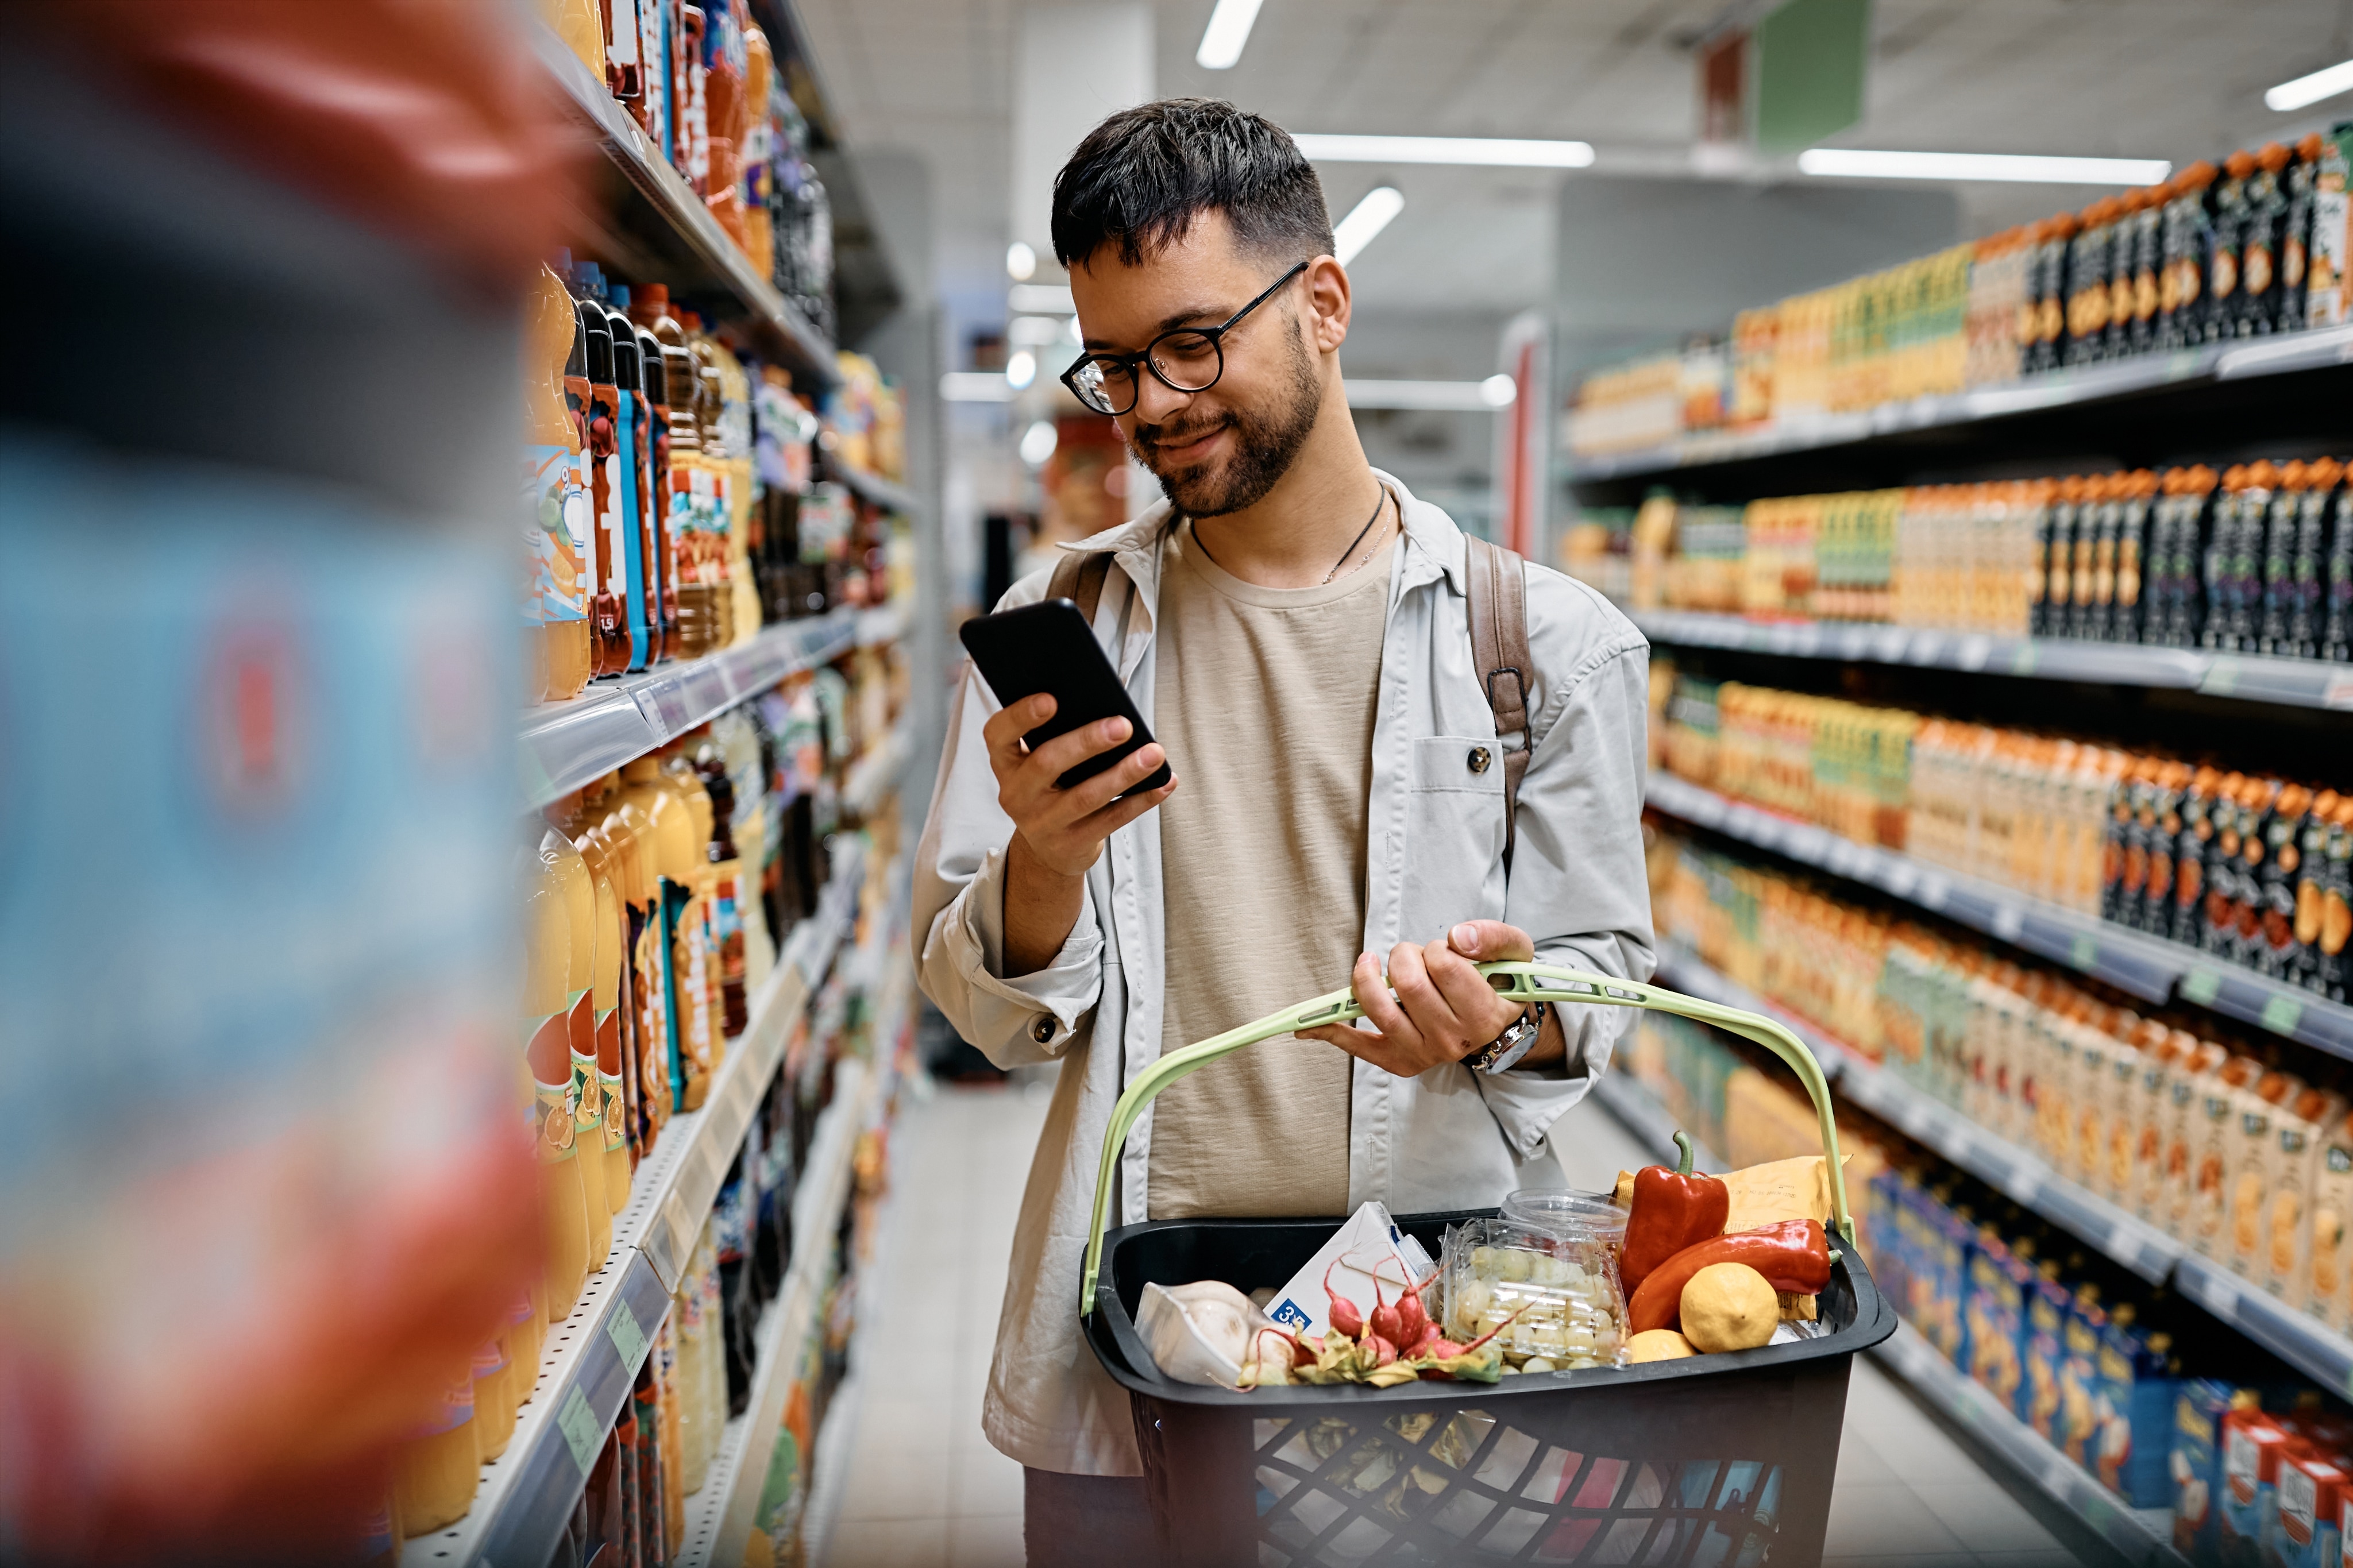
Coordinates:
(873, 777)
(2025, 1176)
(1640, 1110)
(719, 1518)
(2321, 1353)
(2144, 966)
(568, 744)
(888, 494)
(675, 224)
(2085, 388)
(883, 623)
(2141, 1535)
(2290, 682)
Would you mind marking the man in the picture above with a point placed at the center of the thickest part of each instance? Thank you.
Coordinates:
(1292, 625)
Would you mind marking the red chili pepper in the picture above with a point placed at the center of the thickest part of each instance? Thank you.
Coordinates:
(1672, 1210)
(1794, 1256)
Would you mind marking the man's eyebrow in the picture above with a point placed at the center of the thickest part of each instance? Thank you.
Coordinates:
(1191, 316)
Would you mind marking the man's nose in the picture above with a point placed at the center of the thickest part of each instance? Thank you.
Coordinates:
(1156, 400)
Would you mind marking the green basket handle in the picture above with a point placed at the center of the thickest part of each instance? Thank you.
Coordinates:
(1516, 982)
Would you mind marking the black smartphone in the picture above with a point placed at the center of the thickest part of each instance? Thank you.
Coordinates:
(1047, 648)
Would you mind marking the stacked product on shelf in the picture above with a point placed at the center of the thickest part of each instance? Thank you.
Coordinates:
(2257, 559)
(2254, 869)
(2254, 250)
(2116, 1375)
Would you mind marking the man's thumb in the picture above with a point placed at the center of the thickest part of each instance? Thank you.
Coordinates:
(1489, 940)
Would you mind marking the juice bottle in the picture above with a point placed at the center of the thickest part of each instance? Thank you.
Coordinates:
(2259, 277)
(624, 73)
(584, 1094)
(434, 1474)
(649, 958)
(600, 812)
(612, 934)
(2303, 184)
(726, 107)
(547, 967)
(2181, 286)
(670, 838)
(627, 517)
(581, 26)
(685, 870)
(652, 105)
(607, 643)
(494, 1399)
(603, 457)
(700, 938)
(558, 531)
(660, 547)
(2222, 270)
(520, 1340)
(694, 127)
(728, 894)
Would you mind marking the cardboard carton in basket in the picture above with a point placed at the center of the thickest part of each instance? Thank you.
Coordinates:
(1369, 1241)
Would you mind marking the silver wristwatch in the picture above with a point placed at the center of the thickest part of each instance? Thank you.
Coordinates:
(1503, 1052)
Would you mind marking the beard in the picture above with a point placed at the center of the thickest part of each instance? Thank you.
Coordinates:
(1266, 443)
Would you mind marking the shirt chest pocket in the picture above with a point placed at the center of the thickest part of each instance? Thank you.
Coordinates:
(1453, 834)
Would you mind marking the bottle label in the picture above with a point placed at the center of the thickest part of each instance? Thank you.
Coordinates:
(457, 1408)
(548, 1050)
(616, 1131)
(622, 520)
(555, 536)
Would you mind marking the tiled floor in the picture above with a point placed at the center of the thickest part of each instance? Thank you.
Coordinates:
(925, 1491)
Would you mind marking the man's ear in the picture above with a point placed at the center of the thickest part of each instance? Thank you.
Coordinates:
(1329, 304)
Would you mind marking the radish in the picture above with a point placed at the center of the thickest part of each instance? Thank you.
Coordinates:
(1385, 1320)
(1411, 1317)
(1384, 1352)
(1345, 1315)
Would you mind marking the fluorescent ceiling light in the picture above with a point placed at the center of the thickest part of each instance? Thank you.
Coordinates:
(1034, 330)
(2311, 89)
(1020, 369)
(1365, 219)
(1040, 300)
(1019, 261)
(1038, 443)
(1463, 149)
(976, 386)
(1848, 161)
(1440, 397)
(1229, 30)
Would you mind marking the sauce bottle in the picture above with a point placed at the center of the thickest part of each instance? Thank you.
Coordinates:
(2189, 855)
(2302, 185)
(660, 547)
(2266, 199)
(434, 1474)
(603, 457)
(607, 643)
(577, 888)
(2246, 559)
(2278, 560)
(547, 965)
(2181, 288)
(2311, 887)
(2223, 255)
(2273, 943)
(683, 436)
(629, 513)
(2309, 568)
(558, 528)
(2221, 542)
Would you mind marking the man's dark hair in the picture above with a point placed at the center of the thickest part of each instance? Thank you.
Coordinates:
(1142, 176)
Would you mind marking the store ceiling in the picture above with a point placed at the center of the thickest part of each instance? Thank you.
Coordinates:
(2173, 79)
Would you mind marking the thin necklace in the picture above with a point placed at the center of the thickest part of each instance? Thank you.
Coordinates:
(1379, 500)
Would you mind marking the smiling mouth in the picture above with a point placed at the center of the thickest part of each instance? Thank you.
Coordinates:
(1187, 444)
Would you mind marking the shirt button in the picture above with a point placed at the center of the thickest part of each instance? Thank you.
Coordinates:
(1042, 1031)
(1480, 758)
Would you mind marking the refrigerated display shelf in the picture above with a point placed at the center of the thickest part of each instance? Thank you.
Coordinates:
(525, 1497)
(2025, 1176)
(2141, 1535)
(676, 223)
(2289, 682)
(566, 745)
(2083, 388)
(2148, 967)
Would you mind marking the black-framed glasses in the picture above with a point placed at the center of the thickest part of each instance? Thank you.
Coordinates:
(1189, 359)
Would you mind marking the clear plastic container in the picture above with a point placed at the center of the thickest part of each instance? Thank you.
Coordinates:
(1572, 1216)
(1552, 1301)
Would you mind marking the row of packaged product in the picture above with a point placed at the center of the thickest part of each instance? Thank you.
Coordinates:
(2117, 1374)
(652, 904)
(2258, 559)
(2252, 868)
(2254, 249)
(671, 498)
(702, 81)
(2218, 1142)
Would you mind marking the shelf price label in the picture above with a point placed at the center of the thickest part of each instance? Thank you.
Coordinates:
(2199, 985)
(2083, 953)
(2282, 1013)
(582, 1432)
(627, 1338)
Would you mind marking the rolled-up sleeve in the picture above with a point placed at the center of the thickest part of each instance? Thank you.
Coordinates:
(1578, 885)
(959, 913)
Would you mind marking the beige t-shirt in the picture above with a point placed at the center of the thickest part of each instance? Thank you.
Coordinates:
(1264, 698)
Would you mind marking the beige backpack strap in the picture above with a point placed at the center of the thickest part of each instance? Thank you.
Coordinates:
(1499, 652)
(1079, 576)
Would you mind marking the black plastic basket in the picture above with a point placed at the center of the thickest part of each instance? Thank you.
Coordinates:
(1709, 1461)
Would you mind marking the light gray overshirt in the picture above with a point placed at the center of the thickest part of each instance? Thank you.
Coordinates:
(1447, 1139)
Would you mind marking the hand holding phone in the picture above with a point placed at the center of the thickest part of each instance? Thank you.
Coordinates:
(1074, 760)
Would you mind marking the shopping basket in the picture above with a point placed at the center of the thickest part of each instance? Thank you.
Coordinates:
(1710, 1460)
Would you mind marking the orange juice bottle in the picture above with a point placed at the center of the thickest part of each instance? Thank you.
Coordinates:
(671, 822)
(702, 1009)
(644, 1032)
(434, 1473)
(494, 1398)
(612, 934)
(585, 1094)
(547, 967)
(605, 845)
(522, 1338)
(559, 528)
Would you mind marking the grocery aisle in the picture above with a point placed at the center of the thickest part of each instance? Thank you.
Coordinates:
(925, 1491)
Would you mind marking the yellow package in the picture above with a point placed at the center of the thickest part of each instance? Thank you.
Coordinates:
(2328, 1255)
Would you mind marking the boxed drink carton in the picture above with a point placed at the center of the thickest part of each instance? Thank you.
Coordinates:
(2295, 1165)
(2214, 1124)
(2253, 1153)
(2310, 1529)
(2195, 1466)
(2126, 1063)
(2043, 1350)
(2192, 1081)
(1994, 1313)
(2152, 1102)
(2087, 1138)
(2137, 1388)
(2248, 1502)
(2328, 1256)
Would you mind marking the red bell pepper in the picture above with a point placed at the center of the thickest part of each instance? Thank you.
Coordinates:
(1794, 1256)
(1672, 1210)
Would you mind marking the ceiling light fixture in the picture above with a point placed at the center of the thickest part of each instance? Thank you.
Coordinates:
(1229, 30)
(2311, 89)
(1852, 162)
(1038, 444)
(1020, 369)
(1479, 151)
(1021, 261)
(1365, 219)
(1434, 396)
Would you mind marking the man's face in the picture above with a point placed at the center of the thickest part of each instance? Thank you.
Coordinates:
(1222, 449)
